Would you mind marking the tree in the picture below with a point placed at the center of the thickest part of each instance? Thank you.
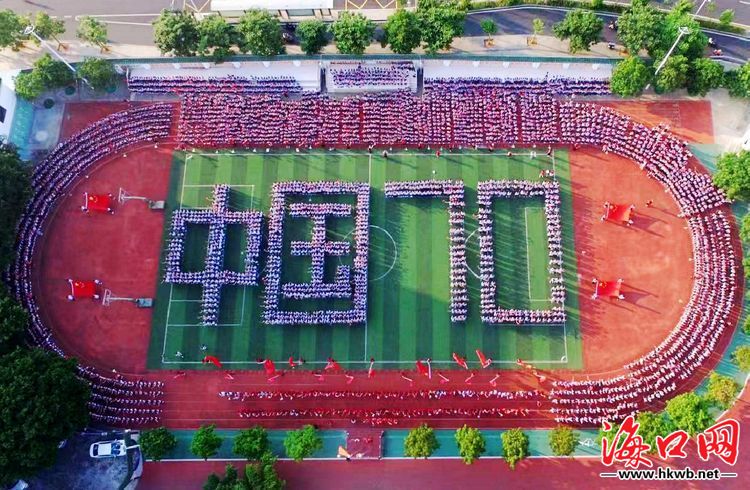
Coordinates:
(691, 45)
(746, 326)
(610, 435)
(638, 27)
(263, 475)
(440, 24)
(11, 27)
(403, 31)
(515, 446)
(13, 322)
(582, 28)
(705, 74)
(312, 35)
(206, 442)
(537, 27)
(42, 402)
(352, 33)
(92, 31)
(302, 443)
(15, 190)
(673, 75)
(100, 73)
(216, 37)
(733, 174)
(745, 229)
(260, 33)
(597, 4)
(726, 18)
(689, 412)
(420, 442)
(230, 481)
(53, 73)
(630, 76)
(470, 443)
(176, 32)
(741, 357)
(157, 443)
(489, 27)
(652, 425)
(743, 81)
(29, 85)
(48, 28)
(251, 443)
(563, 440)
(722, 390)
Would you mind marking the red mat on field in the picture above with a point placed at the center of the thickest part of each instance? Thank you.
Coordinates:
(620, 213)
(610, 289)
(364, 443)
(83, 289)
(99, 203)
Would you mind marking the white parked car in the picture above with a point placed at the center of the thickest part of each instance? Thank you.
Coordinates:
(108, 449)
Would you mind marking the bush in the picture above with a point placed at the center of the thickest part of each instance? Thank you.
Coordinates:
(741, 357)
(563, 441)
(420, 442)
(722, 390)
(470, 443)
(157, 443)
(515, 446)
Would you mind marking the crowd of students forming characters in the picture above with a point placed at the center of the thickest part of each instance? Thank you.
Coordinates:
(396, 74)
(453, 114)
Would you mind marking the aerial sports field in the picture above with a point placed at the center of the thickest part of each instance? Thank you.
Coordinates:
(409, 266)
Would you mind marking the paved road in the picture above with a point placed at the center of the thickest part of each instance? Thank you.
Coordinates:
(129, 21)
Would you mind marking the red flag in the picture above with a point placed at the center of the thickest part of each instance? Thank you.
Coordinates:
(460, 361)
(483, 359)
(371, 370)
(332, 365)
(270, 367)
(213, 360)
(421, 368)
(291, 362)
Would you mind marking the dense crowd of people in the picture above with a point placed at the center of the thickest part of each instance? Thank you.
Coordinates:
(288, 395)
(247, 85)
(52, 179)
(213, 276)
(549, 191)
(454, 191)
(378, 76)
(280, 193)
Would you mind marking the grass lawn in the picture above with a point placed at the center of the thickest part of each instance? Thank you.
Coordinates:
(408, 295)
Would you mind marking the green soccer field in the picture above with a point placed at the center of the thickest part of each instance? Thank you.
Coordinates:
(408, 294)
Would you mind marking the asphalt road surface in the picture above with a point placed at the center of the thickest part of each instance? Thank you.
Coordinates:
(129, 21)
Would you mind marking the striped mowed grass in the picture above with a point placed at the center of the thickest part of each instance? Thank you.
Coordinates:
(408, 291)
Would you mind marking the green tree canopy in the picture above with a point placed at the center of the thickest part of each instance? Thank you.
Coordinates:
(312, 35)
(260, 33)
(489, 27)
(537, 27)
(13, 322)
(745, 229)
(176, 32)
(47, 28)
(741, 357)
(99, 72)
(673, 75)
(722, 390)
(230, 480)
(15, 190)
(29, 85)
(302, 443)
(705, 74)
(609, 434)
(652, 425)
(515, 446)
(403, 31)
(42, 402)
(691, 45)
(92, 31)
(251, 443)
(630, 76)
(470, 443)
(742, 78)
(53, 73)
(733, 175)
(206, 442)
(352, 32)
(581, 27)
(689, 412)
(216, 37)
(11, 27)
(420, 442)
(263, 475)
(563, 440)
(440, 24)
(638, 27)
(156, 443)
